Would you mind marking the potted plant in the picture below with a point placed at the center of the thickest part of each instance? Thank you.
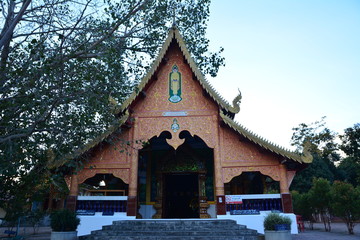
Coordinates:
(64, 223)
(277, 227)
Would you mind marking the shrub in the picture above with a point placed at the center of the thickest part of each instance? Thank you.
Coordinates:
(64, 220)
(273, 219)
(346, 203)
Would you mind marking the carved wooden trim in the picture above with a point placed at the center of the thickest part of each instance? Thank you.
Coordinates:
(150, 127)
(290, 177)
(271, 171)
(123, 174)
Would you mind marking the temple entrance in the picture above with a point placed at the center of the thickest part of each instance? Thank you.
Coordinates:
(181, 196)
(175, 183)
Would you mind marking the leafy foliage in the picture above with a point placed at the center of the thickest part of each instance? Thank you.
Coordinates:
(349, 171)
(320, 197)
(321, 140)
(64, 220)
(302, 205)
(351, 142)
(61, 61)
(346, 203)
(340, 199)
(303, 180)
(273, 219)
(323, 147)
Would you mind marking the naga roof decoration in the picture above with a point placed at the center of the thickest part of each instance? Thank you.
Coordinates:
(175, 34)
(306, 157)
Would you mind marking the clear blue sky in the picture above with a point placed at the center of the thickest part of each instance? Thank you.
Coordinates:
(294, 61)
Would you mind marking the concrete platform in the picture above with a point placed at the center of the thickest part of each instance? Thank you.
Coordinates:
(339, 232)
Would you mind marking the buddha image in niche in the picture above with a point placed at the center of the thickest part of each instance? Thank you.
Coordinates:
(175, 85)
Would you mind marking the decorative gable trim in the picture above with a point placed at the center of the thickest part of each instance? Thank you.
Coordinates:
(227, 112)
(175, 34)
(53, 163)
(300, 158)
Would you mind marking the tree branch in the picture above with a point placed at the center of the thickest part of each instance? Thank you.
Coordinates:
(33, 126)
(8, 32)
(133, 11)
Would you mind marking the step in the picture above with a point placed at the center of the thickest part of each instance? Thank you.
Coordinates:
(171, 238)
(173, 229)
(176, 222)
(173, 233)
(155, 227)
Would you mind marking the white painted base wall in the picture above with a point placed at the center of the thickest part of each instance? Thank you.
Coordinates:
(256, 221)
(148, 211)
(91, 223)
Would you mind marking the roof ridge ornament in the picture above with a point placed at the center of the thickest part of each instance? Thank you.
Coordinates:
(235, 108)
(174, 5)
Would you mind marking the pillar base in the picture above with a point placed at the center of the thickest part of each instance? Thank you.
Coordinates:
(287, 203)
(131, 206)
(71, 203)
(220, 205)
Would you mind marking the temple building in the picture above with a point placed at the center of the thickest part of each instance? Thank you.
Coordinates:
(177, 152)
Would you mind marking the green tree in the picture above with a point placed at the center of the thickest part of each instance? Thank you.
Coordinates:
(303, 207)
(346, 203)
(350, 144)
(303, 180)
(321, 144)
(61, 61)
(320, 197)
(349, 170)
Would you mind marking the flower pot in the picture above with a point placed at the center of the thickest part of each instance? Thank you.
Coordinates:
(282, 227)
(278, 235)
(64, 235)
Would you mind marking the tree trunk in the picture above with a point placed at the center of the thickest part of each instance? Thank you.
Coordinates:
(327, 222)
(350, 226)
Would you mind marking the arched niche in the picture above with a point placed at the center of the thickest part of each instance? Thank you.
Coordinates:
(251, 183)
(123, 174)
(103, 184)
(271, 171)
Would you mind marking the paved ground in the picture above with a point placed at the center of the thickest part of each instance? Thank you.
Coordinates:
(339, 232)
(43, 233)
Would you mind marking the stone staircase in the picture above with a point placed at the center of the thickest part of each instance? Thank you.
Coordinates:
(173, 229)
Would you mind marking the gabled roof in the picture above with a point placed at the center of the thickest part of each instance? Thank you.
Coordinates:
(304, 158)
(53, 163)
(227, 111)
(174, 34)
